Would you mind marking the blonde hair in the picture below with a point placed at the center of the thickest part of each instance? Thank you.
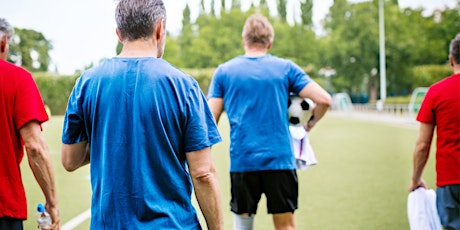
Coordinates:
(258, 30)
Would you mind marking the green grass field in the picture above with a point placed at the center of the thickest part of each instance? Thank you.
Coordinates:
(360, 181)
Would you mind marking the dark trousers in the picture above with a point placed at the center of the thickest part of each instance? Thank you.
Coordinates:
(7, 223)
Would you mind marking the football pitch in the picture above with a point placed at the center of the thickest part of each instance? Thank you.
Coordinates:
(360, 181)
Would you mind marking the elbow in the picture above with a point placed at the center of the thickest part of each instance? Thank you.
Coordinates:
(207, 178)
(328, 101)
(35, 150)
(32, 149)
(325, 101)
(204, 176)
(68, 166)
(423, 149)
(67, 162)
(74, 156)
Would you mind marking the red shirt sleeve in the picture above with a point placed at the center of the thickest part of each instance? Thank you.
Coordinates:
(28, 104)
(426, 114)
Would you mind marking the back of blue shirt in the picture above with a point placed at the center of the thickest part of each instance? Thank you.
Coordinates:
(255, 91)
(140, 116)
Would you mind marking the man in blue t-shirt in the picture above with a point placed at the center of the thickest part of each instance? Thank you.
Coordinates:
(253, 89)
(147, 130)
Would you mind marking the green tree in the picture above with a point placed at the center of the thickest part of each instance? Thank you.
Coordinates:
(337, 15)
(186, 37)
(350, 45)
(404, 38)
(236, 4)
(216, 40)
(281, 6)
(172, 51)
(443, 27)
(297, 43)
(306, 6)
(31, 49)
(353, 46)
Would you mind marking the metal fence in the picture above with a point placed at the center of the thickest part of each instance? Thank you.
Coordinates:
(399, 110)
(391, 113)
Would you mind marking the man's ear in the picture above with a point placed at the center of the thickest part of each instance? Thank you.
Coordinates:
(160, 29)
(451, 60)
(3, 44)
(269, 46)
(118, 35)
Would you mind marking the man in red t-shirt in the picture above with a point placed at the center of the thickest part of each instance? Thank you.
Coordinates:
(21, 114)
(441, 110)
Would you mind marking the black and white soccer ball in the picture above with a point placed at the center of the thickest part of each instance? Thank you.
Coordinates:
(300, 110)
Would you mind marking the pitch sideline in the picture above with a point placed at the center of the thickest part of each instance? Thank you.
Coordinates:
(74, 222)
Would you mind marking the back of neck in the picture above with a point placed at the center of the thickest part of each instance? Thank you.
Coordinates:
(139, 48)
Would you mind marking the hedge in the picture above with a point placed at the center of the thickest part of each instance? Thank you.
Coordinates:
(426, 75)
(55, 89)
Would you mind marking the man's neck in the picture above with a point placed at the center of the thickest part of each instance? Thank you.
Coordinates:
(255, 51)
(4, 55)
(139, 48)
(456, 69)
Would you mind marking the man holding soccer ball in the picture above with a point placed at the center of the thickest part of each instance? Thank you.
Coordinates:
(254, 89)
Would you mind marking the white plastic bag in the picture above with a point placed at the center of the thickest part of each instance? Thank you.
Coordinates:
(422, 211)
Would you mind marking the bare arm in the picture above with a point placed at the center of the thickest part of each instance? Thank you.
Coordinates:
(322, 99)
(217, 107)
(74, 156)
(41, 166)
(421, 154)
(207, 190)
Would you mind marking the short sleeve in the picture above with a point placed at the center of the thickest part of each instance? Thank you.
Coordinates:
(201, 130)
(425, 114)
(216, 87)
(74, 127)
(28, 102)
(298, 79)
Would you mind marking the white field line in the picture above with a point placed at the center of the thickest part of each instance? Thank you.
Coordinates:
(71, 224)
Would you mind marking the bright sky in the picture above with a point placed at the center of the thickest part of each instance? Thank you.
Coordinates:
(83, 31)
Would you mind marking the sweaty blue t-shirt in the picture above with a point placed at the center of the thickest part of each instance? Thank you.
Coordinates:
(140, 116)
(255, 91)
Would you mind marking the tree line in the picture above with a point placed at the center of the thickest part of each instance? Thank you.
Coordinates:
(343, 59)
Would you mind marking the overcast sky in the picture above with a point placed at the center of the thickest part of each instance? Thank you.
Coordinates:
(83, 31)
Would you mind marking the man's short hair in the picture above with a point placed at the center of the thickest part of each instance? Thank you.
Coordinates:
(5, 28)
(137, 18)
(455, 49)
(258, 30)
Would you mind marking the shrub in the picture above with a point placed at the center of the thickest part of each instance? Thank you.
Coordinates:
(55, 90)
(202, 76)
(426, 75)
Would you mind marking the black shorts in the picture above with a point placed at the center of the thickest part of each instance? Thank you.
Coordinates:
(7, 223)
(280, 187)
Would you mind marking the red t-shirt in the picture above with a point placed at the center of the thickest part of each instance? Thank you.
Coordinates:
(20, 103)
(441, 107)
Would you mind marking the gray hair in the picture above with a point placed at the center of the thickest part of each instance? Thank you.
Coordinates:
(138, 18)
(455, 49)
(5, 28)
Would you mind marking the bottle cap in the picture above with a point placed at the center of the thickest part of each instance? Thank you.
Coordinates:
(40, 208)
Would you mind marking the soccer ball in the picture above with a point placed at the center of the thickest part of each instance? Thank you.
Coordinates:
(300, 110)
